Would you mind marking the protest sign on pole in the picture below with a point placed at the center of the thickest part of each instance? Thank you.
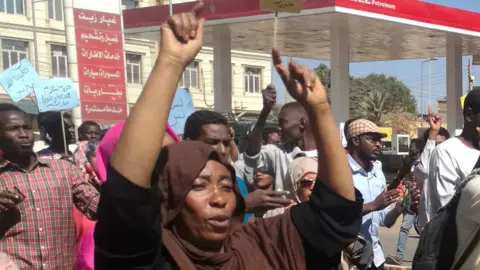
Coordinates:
(56, 95)
(19, 80)
(290, 6)
(182, 108)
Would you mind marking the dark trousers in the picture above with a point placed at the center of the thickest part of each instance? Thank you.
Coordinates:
(373, 267)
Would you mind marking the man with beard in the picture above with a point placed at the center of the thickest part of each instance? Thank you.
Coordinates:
(363, 146)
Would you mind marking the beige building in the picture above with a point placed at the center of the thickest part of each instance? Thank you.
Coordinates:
(251, 71)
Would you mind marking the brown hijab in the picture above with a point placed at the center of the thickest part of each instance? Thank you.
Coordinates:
(272, 243)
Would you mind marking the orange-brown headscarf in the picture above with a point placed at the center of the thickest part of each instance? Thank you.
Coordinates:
(272, 243)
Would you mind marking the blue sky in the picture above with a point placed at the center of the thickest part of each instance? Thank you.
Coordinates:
(408, 71)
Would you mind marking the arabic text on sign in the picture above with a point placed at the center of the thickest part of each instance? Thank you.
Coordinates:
(56, 94)
(107, 38)
(103, 109)
(293, 6)
(98, 91)
(91, 73)
(100, 54)
(93, 19)
(19, 80)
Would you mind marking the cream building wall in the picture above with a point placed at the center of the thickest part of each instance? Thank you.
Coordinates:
(253, 68)
(19, 28)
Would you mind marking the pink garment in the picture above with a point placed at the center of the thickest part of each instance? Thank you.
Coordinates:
(84, 259)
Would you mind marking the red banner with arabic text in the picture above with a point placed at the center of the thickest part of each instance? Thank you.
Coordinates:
(100, 59)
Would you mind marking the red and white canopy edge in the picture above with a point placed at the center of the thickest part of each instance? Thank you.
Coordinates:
(341, 31)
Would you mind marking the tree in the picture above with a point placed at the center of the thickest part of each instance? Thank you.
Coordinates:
(375, 96)
(323, 73)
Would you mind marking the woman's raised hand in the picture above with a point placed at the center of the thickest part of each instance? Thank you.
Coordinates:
(182, 36)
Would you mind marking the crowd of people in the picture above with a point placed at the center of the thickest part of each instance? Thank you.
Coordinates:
(139, 197)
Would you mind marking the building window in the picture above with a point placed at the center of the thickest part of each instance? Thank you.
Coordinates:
(134, 62)
(55, 10)
(189, 78)
(11, 6)
(59, 61)
(129, 4)
(13, 51)
(253, 79)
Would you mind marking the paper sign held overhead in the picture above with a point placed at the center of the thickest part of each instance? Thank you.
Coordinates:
(182, 108)
(291, 6)
(56, 95)
(19, 80)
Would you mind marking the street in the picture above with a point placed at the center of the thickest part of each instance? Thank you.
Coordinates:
(388, 238)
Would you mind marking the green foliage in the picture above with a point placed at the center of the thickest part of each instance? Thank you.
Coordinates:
(374, 96)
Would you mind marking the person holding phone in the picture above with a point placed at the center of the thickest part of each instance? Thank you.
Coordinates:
(363, 146)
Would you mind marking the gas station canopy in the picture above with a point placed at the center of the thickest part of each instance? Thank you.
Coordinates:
(377, 30)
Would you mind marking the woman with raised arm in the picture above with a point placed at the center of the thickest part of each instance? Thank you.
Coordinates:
(198, 225)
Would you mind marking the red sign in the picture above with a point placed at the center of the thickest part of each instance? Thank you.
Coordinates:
(92, 38)
(102, 92)
(103, 111)
(97, 20)
(99, 57)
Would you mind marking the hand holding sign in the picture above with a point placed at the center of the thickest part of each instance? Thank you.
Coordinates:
(55, 95)
(182, 108)
(19, 80)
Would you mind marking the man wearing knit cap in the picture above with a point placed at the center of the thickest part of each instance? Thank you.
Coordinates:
(364, 147)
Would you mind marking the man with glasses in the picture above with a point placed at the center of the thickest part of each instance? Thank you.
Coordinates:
(364, 147)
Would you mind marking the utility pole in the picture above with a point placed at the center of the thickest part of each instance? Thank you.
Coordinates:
(471, 78)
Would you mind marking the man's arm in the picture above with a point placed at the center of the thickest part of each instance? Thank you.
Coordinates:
(391, 216)
(85, 195)
(420, 172)
(252, 153)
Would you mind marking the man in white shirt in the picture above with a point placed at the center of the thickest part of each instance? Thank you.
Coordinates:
(452, 161)
(433, 136)
(295, 134)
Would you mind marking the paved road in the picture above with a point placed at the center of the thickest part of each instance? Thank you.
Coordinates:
(388, 238)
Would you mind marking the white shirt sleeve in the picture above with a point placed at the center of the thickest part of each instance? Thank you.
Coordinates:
(442, 180)
(265, 159)
(420, 173)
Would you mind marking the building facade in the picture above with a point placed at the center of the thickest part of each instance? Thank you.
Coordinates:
(251, 71)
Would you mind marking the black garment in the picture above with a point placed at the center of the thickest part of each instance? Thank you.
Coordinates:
(128, 235)
(373, 267)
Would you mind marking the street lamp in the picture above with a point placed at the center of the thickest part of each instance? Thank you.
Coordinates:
(429, 61)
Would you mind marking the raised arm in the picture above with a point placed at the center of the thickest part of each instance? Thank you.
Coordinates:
(331, 219)
(304, 85)
(256, 136)
(137, 150)
(128, 207)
